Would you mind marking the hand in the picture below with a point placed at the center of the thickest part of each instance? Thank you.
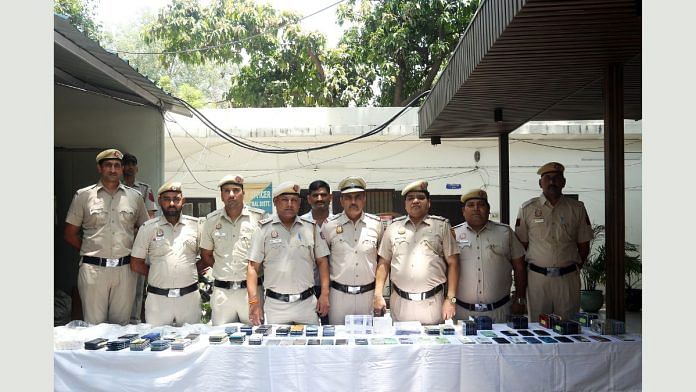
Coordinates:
(323, 304)
(379, 304)
(255, 314)
(518, 309)
(448, 310)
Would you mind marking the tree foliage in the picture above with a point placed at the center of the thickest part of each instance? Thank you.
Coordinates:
(81, 13)
(391, 51)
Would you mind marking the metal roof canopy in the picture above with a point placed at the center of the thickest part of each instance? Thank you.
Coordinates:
(536, 60)
(80, 62)
(524, 60)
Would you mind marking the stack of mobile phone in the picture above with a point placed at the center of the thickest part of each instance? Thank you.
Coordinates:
(96, 344)
(608, 327)
(327, 342)
(193, 337)
(229, 330)
(246, 328)
(469, 328)
(180, 344)
(159, 345)
(282, 330)
(118, 344)
(263, 329)
(518, 322)
(328, 330)
(130, 337)
(152, 336)
(218, 338)
(549, 320)
(297, 330)
(237, 338)
(567, 327)
(483, 322)
(585, 319)
(432, 330)
(311, 330)
(255, 339)
(446, 329)
(139, 344)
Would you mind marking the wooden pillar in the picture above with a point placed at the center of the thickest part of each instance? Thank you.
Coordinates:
(614, 189)
(504, 163)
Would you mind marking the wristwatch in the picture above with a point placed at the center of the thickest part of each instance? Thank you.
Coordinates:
(452, 300)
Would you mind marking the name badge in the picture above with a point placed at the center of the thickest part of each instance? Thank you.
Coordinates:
(540, 220)
(276, 240)
(220, 234)
(464, 243)
(112, 262)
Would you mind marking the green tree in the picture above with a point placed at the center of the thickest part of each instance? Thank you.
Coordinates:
(81, 13)
(397, 46)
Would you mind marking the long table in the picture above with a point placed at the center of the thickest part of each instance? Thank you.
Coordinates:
(596, 366)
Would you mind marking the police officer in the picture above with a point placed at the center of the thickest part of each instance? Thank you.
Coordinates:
(225, 242)
(287, 247)
(556, 232)
(421, 255)
(488, 253)
(171, 244)
(130, 170)
(353, 237)
(108, 214)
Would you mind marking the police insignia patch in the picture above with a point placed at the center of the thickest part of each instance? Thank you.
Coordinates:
(160, 232)
(537, 213)
(402, 230)
(339, 229)
(218, 226)
(274, 234)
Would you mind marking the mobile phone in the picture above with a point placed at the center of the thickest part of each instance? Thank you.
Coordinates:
(541, 332)
(547, 339)
(483, 340)
(312, 342)
(488, 334)
(501, 341)
(531, 340)
(272, 342)
(341, 342)
(466, 339)
(580, 338)
(517, 340)
(327, 342)
(524, 332)
(599, 338)
(509, 333)
(95, 344)
(563, 339)
(405, 341)
(361, 341)
(299, 342)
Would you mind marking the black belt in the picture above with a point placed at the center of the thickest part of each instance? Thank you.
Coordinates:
(290, 297)
(173, 293)
(104, 262)
(417, 296)
(242, 284)
(553, 271)
(353, 289)
(483, 307)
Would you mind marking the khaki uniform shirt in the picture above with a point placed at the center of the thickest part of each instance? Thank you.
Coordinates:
(172, 251)
(553, 232)
(230, 241)
(485, 270)
(108, 221)
(288, 256)
(148, 196)
(418, 254)
(353, 248)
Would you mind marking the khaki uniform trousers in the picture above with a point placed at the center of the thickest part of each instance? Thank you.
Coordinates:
(107, 293)
(498, 315)
(343, 304)
(428, 311)
(553, 294)
(231, 305)
(299, 312)
(162, 310)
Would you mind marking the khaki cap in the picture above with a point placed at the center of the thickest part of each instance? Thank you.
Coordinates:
(111, 153)
(416, 186)
(286, 187)
(233, 179)
(352, 184)
(474, 194)
(551, 167)
(172, 186)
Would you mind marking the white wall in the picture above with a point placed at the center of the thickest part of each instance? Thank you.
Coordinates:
(397, 157)
(84, 120)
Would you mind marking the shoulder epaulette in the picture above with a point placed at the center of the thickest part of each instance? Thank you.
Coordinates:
(371, 216)
(530, 201)
(255, 210)
(132, 189)
(213, 214)
(267, 220)
(400, 218)
(438, 217)
(151, 221)
(459, 225)
(191, 218)
(85, 188)
(308, 220)
(333, 218)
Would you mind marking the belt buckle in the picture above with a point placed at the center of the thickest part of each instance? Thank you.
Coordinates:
(112, 262)
(235, 285)
(354, 289)
(553, 271)
(480, 307)
(415, 297)
(174, 293)
(294, 297)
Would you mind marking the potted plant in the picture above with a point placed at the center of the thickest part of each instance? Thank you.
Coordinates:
(594, 272)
